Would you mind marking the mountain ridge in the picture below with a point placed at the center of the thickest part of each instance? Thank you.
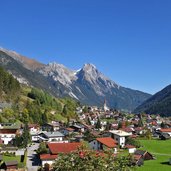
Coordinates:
(159, 103)
(87, 84)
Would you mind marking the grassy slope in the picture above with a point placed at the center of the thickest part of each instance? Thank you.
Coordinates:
(161, 150)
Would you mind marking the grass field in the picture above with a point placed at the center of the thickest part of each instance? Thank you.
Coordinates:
(11, 158)
(162, 152)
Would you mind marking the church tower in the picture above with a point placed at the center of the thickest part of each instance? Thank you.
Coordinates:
(105, 106)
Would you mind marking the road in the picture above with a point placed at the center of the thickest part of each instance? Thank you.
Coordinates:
(32, 160)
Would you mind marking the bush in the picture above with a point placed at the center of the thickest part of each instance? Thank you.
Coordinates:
(133, 142)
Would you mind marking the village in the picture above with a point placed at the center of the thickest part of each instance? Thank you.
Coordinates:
(97, 128)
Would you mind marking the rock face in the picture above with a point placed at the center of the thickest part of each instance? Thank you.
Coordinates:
(160, 103)
(87, 85)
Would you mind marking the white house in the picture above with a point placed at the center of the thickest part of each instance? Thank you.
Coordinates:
(51, 136)
(34, 131)
(34, 128)
(7, 135)
(47, 159)
(103, 143)
(120, 136)
(131, 149)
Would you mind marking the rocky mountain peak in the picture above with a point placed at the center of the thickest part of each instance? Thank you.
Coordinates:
(89, 66)
(59, 72)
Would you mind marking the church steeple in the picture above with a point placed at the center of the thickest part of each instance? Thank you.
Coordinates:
(105, 106)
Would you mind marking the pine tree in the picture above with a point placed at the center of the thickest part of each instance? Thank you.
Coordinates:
(98, 124)
(26, 135)
(65, 110)
(108, 126)
(45, 117)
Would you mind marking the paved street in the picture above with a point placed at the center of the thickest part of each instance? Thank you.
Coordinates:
(32, 161)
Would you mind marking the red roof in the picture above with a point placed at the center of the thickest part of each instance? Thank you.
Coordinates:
(8, 131)
(48, 157)
(56, 148)
(107, 141)
(127, 130)
(166, 130)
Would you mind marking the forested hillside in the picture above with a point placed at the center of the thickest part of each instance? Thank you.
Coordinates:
(9, 86)
(160, 103)
(30, 104)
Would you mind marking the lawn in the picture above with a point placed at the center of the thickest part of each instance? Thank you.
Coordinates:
(162, 152)
(11, 158)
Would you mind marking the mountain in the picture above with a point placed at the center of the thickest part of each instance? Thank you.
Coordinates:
(87, 84)
(160, 103)
(30, 64)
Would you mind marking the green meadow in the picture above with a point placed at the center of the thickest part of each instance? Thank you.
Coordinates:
(162, 152)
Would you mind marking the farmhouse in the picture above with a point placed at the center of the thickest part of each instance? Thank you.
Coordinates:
(7, 135)
(104, 143)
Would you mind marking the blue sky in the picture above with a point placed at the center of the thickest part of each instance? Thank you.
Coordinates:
(128, 40)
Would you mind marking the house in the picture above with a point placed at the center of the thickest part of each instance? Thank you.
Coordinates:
(139, 130)
(34, 130)
(166, 130)
(53, 126)
(10, 165)
(57, 148)
(51, 136)
(130, 148)
(120, 136)
(78, 128)
(47, 159)
(104, 143)
(7, 135)
(66, 131)
(145, 154)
